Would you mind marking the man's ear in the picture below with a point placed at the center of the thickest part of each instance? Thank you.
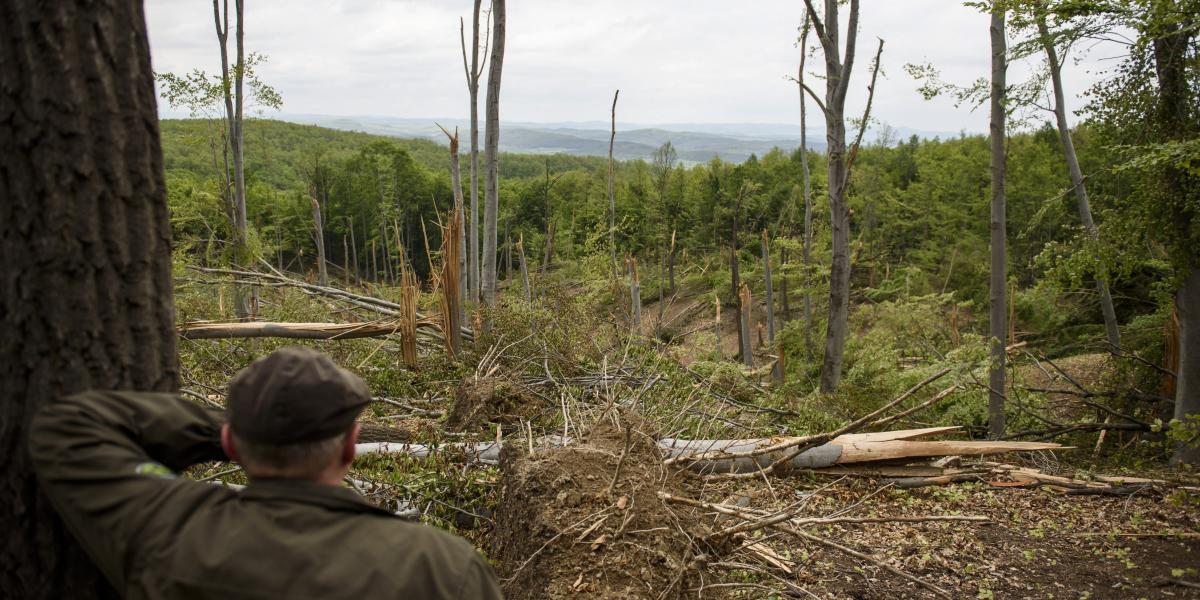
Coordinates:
(348, 447)
(228, 445)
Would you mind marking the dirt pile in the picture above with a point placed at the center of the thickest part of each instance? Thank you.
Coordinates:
(566, 528)
(481, 402)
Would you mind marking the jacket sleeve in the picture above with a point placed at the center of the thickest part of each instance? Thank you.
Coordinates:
(106, 460)
(480, 581)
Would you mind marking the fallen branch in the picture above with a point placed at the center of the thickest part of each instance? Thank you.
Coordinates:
(787, 528)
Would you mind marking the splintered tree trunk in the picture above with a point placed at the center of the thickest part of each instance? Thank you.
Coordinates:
(85, 292)
(735, 279)
(524, 268)
(612, 199)
(491, 155)
(354, 253)
(456, 186)
(345, 260)
(744, 308)
(1111, 329)
(322, 272)
(635, 296)
(766, 253)
(999, 276)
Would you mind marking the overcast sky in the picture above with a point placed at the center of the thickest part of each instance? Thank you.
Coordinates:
(675, 61)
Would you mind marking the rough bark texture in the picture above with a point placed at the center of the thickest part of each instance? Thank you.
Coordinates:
(1187, 382)
(233, 86)
(491, 155)
(836, 83)
(85, 293)
(745, 305)
(1112, 331)
(998, 316)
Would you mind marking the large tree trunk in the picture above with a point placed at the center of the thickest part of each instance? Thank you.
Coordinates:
(1187, 381)
(998, 316)
(836, 84)
(491, 146)
(1112, 331)
(85, 293)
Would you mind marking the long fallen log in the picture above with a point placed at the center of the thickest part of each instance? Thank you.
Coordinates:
(372, 303)
(304, 331)
(844, 450)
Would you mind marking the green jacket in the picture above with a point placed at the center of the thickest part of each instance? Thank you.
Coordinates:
(106, 461)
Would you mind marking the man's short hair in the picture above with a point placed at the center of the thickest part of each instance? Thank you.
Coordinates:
(303, 460)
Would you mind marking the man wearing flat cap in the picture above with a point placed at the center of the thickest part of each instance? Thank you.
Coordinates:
(107, 461)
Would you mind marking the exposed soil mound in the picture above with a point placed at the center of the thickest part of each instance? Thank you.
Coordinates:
(480, 402)
(563, 532)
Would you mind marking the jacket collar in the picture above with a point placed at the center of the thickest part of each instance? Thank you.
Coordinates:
(310, 492)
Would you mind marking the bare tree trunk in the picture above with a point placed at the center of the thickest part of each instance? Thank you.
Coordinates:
(612, 199)
(322, 272)
(474, 71)
(735, 278)
(85, 292)
(452, 263)
(766, 253)
(354, 252)
(1112, 331)
(671, 262)
(232, 84)
(836, 83)
(524, 269)
(1187, 380)
(806, 257)
(549, 250)
(507, 253)
(745, 305)
(374, 266)
(999, 278)
(491, 146)
(635, 297)
(786, 311)
(345, 260)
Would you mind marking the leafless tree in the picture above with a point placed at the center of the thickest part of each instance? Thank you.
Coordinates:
(491, 155)
(473, 71)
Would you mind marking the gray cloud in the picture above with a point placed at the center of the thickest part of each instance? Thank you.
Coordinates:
(674, 60)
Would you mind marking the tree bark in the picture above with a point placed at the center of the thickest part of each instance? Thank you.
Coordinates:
(322, 272)
(766, 253)
(524, 269)
(233, 85)
(1187, 382)
(612, 199)
(806, 256)
(354, 252)
(999, 270)
(838, 72)
(1111, 329)
(85, 240)
(744, 324)
(491, 147)
(456, 186)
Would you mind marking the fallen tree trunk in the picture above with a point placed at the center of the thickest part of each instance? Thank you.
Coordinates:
(843, 450)
(302, 331)
(371, 303)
